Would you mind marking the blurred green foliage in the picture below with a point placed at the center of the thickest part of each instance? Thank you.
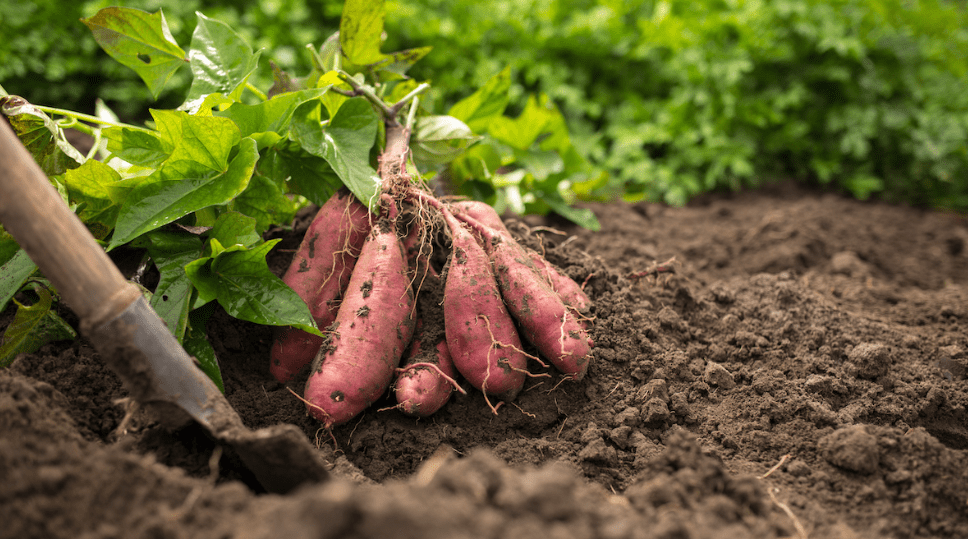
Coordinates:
(672, 97)
(679, 97)
(49, 57)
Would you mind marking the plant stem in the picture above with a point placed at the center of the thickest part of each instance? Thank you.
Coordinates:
(258, 93)
(412, 95)
(367, 92)
(87, 118)
(412, 114)
(96, 146)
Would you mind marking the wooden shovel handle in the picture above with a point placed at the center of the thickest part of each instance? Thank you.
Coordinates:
(32, 211)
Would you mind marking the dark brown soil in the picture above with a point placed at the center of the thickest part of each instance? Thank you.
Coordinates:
(802, 372)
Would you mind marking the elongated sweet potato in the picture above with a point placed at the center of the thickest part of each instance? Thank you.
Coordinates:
(481, 336)
(373, 326)
(319, 272)
(556, 330)
(570, 292)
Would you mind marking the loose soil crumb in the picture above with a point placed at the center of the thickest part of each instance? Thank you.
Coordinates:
(801, 372)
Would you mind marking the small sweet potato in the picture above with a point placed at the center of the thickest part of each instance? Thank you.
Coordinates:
(424, 387)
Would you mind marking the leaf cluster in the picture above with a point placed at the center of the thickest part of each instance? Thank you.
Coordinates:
(195, 190)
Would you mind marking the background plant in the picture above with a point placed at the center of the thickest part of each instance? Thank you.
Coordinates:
(676, 98)
(672, 98)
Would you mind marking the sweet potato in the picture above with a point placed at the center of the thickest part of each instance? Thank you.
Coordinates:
(318, 273)
(373, 326)
(570, 292)
(555, 330)
(481, 336)
(423, 387)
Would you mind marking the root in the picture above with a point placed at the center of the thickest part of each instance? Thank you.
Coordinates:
(529, 414)
(311, 405)
(564, 378)
(495, 342)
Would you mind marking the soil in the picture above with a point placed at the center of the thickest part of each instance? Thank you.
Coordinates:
(772, 363)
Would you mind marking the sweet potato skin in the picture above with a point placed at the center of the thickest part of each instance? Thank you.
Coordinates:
(481, 336)
(373, 326)
(420, 390)
(319, 272)
(554, 329)
(570, 292)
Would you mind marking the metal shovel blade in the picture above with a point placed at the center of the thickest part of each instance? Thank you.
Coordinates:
(158, 372)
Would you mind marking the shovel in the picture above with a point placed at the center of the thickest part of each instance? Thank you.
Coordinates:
(127, 333)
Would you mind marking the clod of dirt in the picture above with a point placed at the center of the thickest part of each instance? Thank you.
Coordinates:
(852, 448)
(869, 360)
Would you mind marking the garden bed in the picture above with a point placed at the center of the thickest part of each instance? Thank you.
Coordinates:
(801, 369)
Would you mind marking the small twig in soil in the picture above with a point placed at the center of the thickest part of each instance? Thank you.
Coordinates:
(801, 531)
(654, 270)
(783, 460)
(614, 389)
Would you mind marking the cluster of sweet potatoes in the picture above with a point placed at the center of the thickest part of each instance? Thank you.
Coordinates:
(360, 274)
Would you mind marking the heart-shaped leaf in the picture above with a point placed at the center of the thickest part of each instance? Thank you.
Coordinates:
(139, 40)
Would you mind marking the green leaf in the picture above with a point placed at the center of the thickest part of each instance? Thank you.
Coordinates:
(197, 345)
(344, 143)
(399, 62)
(32, 327)
(361, 30)
(13, 274)
(272, 115)
(540, 164)
(488, 102)
(282, 82)
(233, 228)
(206, 140)
(240, 279)
(41, 136)
(172, 298)
(138, 147)
(89, 186)
(221, 61)
(139, 40)
(8, 247)
(580, 216)
(330, 55)
(179, 188)
(440, 139)
(479, 162)
(523, 131)
(265, 200)
(305, 174)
